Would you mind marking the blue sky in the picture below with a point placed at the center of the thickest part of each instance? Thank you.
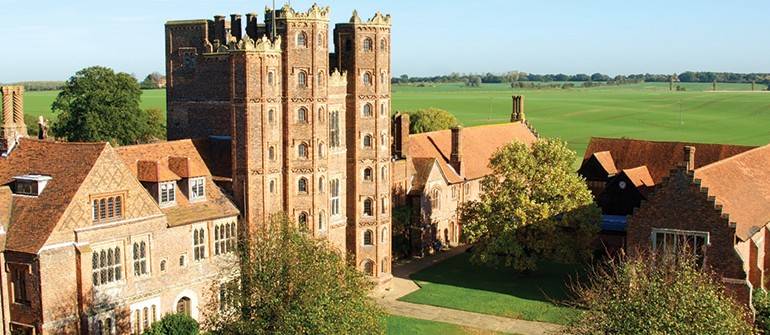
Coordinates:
(50, 40)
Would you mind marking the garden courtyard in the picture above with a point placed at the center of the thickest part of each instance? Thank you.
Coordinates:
(450, 295)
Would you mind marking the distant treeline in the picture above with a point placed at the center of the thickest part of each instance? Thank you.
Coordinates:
(517, 76)
(38, 85)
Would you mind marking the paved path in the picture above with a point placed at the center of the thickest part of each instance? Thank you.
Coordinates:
(402, 285)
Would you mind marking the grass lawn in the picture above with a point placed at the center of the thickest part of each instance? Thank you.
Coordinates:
(458, 284)
(646, 111)
(400, 325)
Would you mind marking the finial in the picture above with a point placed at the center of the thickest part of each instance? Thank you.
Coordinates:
(355, 18)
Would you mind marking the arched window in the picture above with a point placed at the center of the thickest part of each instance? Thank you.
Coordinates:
(367, 79)
(302, 151)
(368, 207)
(383, 140)
(302, 185)
(302, 79)
(435, 199)
(367, 110)
(384, 265)
(383, 45)
(335, 196)
(302, 116)
(368, 44)
(302, 39)
(183, 306)
(321, 115)
(321, 183)
(321, 223)
(320, 78)
(369, 267)
(382, 109)
(384, 235)
(368, 237)
(368, 174)
(383, 205)
(272, 186)
(271, 153)
(271, 116)
(383, 173)
(321, 150)
(367, 141)
(163, 265)
(271, 78)
(320, 40)
(302, 220)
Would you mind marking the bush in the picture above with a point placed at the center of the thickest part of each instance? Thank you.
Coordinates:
(430, 119)
(761, 301)
(655, 294)
(174, 324)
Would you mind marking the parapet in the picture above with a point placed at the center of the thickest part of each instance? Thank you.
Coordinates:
(287, 13)
(377, 20)
(338, 79)
(263, 44)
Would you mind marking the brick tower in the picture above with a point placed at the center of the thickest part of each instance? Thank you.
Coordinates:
(362, 49)
(308, 135)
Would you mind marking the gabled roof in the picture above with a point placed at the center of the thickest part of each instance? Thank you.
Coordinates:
(604, 158)
(478, 145)
(68, 164)
(659, 157)
(183, 158)
(639, 176)
(741, 184)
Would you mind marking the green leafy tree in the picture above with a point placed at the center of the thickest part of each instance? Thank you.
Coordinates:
(97, 104)
(655, 294)
(291, 283)
(430, 119)
(534, 207)
(174, 324)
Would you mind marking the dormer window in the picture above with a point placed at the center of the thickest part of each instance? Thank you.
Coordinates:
(167, 193)
(197, 188)
(30, 185)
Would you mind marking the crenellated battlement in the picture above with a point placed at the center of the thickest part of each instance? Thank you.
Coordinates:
(377, 20)
(338, 79)
(263, 44)
(315, 12)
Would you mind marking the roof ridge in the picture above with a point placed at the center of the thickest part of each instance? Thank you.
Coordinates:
(670, 142)
(730, 159)
(428, 133)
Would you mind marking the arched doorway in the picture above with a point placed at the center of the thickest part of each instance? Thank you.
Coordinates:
(184, 306)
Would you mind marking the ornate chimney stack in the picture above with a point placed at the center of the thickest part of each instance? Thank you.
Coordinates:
(220, 34)
(251, 25)
(517, 114)
(236, 30)
(13, 118)
(689, 158)
(401, 135)
(456, 158)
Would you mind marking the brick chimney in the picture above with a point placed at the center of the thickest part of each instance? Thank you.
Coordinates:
(235, 26)
(456, 158)
(401, 135)
(251, 25)
(517, 113)
(13, 118)
(220, 33)
(689, 158)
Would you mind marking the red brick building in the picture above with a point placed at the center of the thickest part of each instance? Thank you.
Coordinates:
(308, 128)
(719, 210)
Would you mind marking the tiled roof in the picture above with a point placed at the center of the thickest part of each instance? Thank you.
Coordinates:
(605, 160)
(478, 145)
(659, 157)
(6, 205)
(741, 184)
(34, 218)
(640, 176)
(183, 157)
(153, 171)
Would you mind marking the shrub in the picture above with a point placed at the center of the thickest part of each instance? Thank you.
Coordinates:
(430, 119)
(174, 324)
(655, 294)
(761, 301)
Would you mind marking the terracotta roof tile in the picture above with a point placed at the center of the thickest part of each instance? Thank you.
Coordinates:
(179, 154)
(478, 145)
(659, 157)
(605, 160)
(741, 184)
(640, 176)
(34, 218)
(153, 171)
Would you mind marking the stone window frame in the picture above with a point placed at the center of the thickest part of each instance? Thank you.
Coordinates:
(303, 151)
(163, 265)
(102, 323)
(334, 129)
(225, 236)
(102, 211)
(366, 110)
(321, 149)
(435, 199)
(321, 223)
(367, 78)
(368, 267)
(302, 219)
(300, 39)
(384, 139)
(382, 109)
(140, 318)
(199, 238)
(367, 174)
(271, 77)
(334, 190)
(319, 78)
(303, 115)
(197, 188)
(272, 188)
(384, 173)
(321, 182)
(141, 256)
(367, 141)
(116, 265)
(678, 235)
(367, 207)
(383, 205)
(367, 45)
(302, 185)
(271, 115)
(271, 153)
(367, 238)
(383, 44)
(320, 38)
(19, 274)
(384, 235)
(302, 79)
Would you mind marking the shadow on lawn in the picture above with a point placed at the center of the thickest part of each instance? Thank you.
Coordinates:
(548, 283)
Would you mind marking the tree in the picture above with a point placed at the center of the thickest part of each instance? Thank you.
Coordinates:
(291, 283)
(153, 81)
(97, 104)
(534, 207)
(174, 324)
(655, 294)
(430, 119)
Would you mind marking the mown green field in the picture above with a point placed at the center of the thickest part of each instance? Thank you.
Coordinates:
(400, 325)
(648, 111)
